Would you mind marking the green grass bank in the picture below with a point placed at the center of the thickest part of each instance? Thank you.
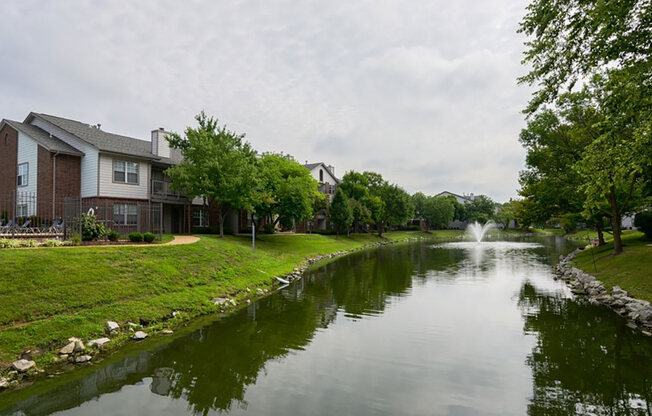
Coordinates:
(51, 294)
(631, 270)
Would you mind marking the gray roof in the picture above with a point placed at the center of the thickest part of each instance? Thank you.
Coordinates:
(103, 141)
(44, 138)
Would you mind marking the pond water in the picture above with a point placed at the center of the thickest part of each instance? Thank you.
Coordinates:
(413, 329)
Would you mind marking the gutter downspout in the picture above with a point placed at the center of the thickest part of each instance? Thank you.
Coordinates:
(54, 184)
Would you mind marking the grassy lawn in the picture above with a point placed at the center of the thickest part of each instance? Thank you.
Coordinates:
(50, 294)
(631, 270)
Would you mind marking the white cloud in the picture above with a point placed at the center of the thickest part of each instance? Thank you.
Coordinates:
(423, 92)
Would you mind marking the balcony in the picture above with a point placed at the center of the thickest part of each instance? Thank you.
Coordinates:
(327, 189)
(162, 190)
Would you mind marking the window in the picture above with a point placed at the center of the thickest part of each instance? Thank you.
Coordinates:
(23, 174)
(21, 210)
(125, 172)
(321, 175)
(125, 214)
(199, 218)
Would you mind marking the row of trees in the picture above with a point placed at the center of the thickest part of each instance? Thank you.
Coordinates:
(223, 169)
(367, 198)
(589, 131)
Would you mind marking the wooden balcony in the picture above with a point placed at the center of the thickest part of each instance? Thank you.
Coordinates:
(162, 191)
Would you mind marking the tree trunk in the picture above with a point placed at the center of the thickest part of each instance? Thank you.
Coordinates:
(380, 228)
(221, 215)
(615, 221)
(598, 228)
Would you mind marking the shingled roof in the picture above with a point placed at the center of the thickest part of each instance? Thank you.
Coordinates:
(102, 140)
(49, 142)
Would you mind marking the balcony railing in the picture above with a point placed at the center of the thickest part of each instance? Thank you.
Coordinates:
(162, 189)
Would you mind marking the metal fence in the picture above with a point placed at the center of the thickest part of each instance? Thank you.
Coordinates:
(25, 215)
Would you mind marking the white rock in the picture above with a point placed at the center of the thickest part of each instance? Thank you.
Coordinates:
(167, 332)
(99, 342)
(68, 349)
(112, 326)
(139, 335)
(133, 325)
(220, 301)
(23, 365)
(4, 384)
(83, 359)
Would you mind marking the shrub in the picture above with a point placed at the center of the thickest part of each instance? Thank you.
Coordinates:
(75, 240)
(91, 229)
(28, 243)
(149, 237)
(113, 235)
(8, 243)
(323, 232)
(135, 237)
(643, 221)
(52, 243)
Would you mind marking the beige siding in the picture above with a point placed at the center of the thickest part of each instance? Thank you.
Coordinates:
(108, 188)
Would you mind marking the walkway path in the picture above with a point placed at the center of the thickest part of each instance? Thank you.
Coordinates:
(181, 239)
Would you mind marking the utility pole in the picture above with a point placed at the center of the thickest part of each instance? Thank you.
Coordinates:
(253, 237)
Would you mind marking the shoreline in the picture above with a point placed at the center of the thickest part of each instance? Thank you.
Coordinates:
(637, 312)
(24, 371)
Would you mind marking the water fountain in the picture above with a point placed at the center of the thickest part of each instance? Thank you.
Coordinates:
(478, 231)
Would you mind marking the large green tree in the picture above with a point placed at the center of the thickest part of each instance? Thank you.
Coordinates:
(389, 204)
(339, 212)
(481, 209)
(438, 211)
(287, 190)
(218, 165)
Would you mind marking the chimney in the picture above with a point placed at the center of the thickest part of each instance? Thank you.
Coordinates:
(160, 145)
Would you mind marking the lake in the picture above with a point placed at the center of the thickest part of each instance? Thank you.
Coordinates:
(410, 329)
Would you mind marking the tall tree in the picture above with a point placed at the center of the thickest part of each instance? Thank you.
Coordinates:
(356, 186)
(438, 211)
(419, 201)
(218, 165)
(287, 190)
(481, 209)
(340, 213)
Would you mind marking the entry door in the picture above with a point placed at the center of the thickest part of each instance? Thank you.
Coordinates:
(176, 220)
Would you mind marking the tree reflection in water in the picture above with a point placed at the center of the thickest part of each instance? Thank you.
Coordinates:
(586, 361)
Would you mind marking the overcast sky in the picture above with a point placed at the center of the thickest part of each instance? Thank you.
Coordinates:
(423, 92)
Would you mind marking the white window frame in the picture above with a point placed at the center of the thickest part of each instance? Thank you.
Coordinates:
(126, 168)
(124, 213)
(22, 210)
(23, 179)
(201, 216)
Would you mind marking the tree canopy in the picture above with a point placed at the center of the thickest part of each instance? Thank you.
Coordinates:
(217, 165)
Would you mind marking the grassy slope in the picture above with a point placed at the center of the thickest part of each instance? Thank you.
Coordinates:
(50, 294)
(632, 270)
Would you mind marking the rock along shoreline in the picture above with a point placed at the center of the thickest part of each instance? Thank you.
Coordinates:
(638, 313)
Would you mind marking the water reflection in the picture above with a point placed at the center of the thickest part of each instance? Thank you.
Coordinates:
(417, 329)
(586, 361)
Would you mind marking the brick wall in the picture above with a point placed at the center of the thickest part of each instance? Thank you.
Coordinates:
(67, 183)
(8, 159)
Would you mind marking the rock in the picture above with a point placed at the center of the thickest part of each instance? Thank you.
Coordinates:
(139, 335)
(167, 332)
(63, 357)
(4, 383)
(112, 326)
(99, 342)
(175, 314)
(260, 291)
(220, 301)
(631, 325)
(248, 301)
(133, 325)
(22, 365)
(68, 349)
(83, 359)
(232, 302)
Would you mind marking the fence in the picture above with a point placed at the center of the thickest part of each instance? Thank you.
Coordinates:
(25, 215)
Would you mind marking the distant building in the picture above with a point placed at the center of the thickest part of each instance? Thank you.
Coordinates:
(327, 184)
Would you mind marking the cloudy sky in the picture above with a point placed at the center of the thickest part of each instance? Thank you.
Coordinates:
(423, 92)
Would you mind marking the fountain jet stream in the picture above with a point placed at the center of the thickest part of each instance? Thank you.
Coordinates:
(478, 231)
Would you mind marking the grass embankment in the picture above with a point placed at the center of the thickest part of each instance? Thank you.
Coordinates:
(51, 294)
(631, 270)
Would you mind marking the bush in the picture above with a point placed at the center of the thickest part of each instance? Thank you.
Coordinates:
(28, 243)
(643, 221)
(52, 243)
(149, 237)
(113, 235)
(75, 240)
(135, 237)
(324, 232)
(91, 229)
(8, 243)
